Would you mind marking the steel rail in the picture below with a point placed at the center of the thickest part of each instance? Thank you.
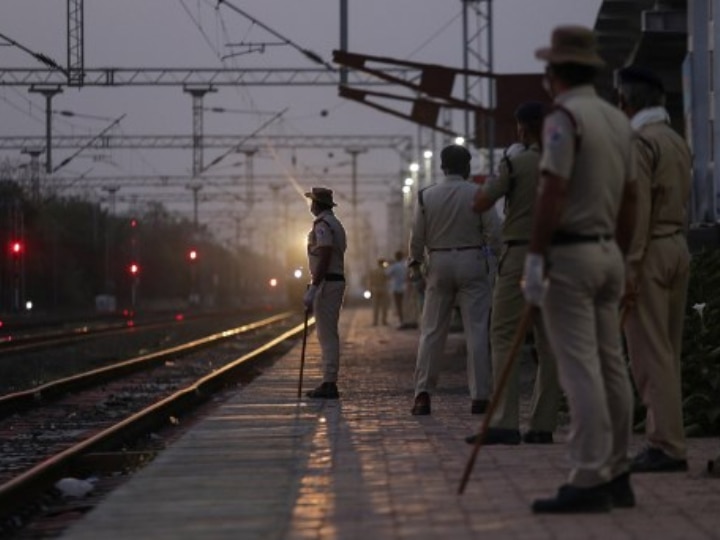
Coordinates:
(21, 490)
(33, 397)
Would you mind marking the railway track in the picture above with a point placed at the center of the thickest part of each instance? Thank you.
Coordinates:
(49, 432)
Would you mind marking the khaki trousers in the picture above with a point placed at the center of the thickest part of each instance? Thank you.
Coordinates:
(452, 276)
(326, 309)
(507, 306)
(380, 305)
(582, 320)
(653, 330)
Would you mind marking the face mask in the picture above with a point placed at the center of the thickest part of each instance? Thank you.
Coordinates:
(547, 86)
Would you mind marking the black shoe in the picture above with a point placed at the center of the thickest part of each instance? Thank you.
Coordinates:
(421, 407)
(621, 492)
(479, 406)
(573, 500)
(538, 437)
(655, 460)
(327, 390)
(496, 436)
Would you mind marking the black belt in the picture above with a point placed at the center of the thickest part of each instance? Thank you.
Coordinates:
(334, 277)
(513, 243)
(564, 238)
(462, 248)
(668, 235)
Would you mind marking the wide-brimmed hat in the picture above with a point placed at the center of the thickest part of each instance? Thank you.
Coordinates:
(571, 45)
(321, 195)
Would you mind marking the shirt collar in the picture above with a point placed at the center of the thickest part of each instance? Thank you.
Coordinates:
(576, 91)
(451, 177)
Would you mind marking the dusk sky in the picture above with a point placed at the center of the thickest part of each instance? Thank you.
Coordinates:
(196, 33)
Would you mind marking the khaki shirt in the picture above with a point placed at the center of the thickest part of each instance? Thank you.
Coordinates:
(595, 156)
(664, 183)
(444, 218)
(327, 231)
(517, 182)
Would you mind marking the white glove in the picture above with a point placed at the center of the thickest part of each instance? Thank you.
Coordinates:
(309, 297)
(534, 283)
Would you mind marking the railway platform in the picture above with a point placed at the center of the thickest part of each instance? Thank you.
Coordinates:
(263, 465)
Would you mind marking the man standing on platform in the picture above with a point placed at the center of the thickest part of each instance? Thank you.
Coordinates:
(658, 270)
(326, 254)
(445, 225)
(397, 273)
(517, 183)
(574, 270)
(379, 292)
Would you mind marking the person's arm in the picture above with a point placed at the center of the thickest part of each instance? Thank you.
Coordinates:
(626, 219)
(637, 232)
(492, 228)
(324, 254)
(556, 165)
(549, 206)
(417, 236)
(486, 196)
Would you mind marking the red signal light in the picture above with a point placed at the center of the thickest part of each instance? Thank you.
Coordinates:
(133, 223)
(16, 247)
(193, 255)
(134, 269)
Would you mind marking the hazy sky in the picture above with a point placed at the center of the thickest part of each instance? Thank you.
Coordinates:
(195, 33)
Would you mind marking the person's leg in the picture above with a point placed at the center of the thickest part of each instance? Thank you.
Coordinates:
(570, 319)
(434, 327)
(474, 297)
(653, 359)
(327, 312)
(546, 392)
(614, 371)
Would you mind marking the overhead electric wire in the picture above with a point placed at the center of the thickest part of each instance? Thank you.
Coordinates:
(45, 59)
(201, 29)
(236, 147)
(89, 143)
(311, 55)
(431, 38)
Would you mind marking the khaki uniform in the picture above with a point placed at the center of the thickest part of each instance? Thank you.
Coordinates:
(586, 273)
(379, 289)
(454, 236)
(328, 231)
(660, 259)
(517, 182)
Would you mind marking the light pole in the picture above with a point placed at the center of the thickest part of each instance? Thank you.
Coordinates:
(354, 153)
(49, 92)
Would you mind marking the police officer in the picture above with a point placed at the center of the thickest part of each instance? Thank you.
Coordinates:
(574, 270)
(324, 297)
(658, 269)
(454, 236)
(379, 292)
(517, 182)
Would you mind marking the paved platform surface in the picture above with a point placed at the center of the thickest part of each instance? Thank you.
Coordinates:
(264, 466)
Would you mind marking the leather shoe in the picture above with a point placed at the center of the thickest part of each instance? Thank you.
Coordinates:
(621, 492)
(655, 460)
(327, 390)
(574, 500)
(479, 406)
(421, 407)
(538, 437)
(496, 436)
